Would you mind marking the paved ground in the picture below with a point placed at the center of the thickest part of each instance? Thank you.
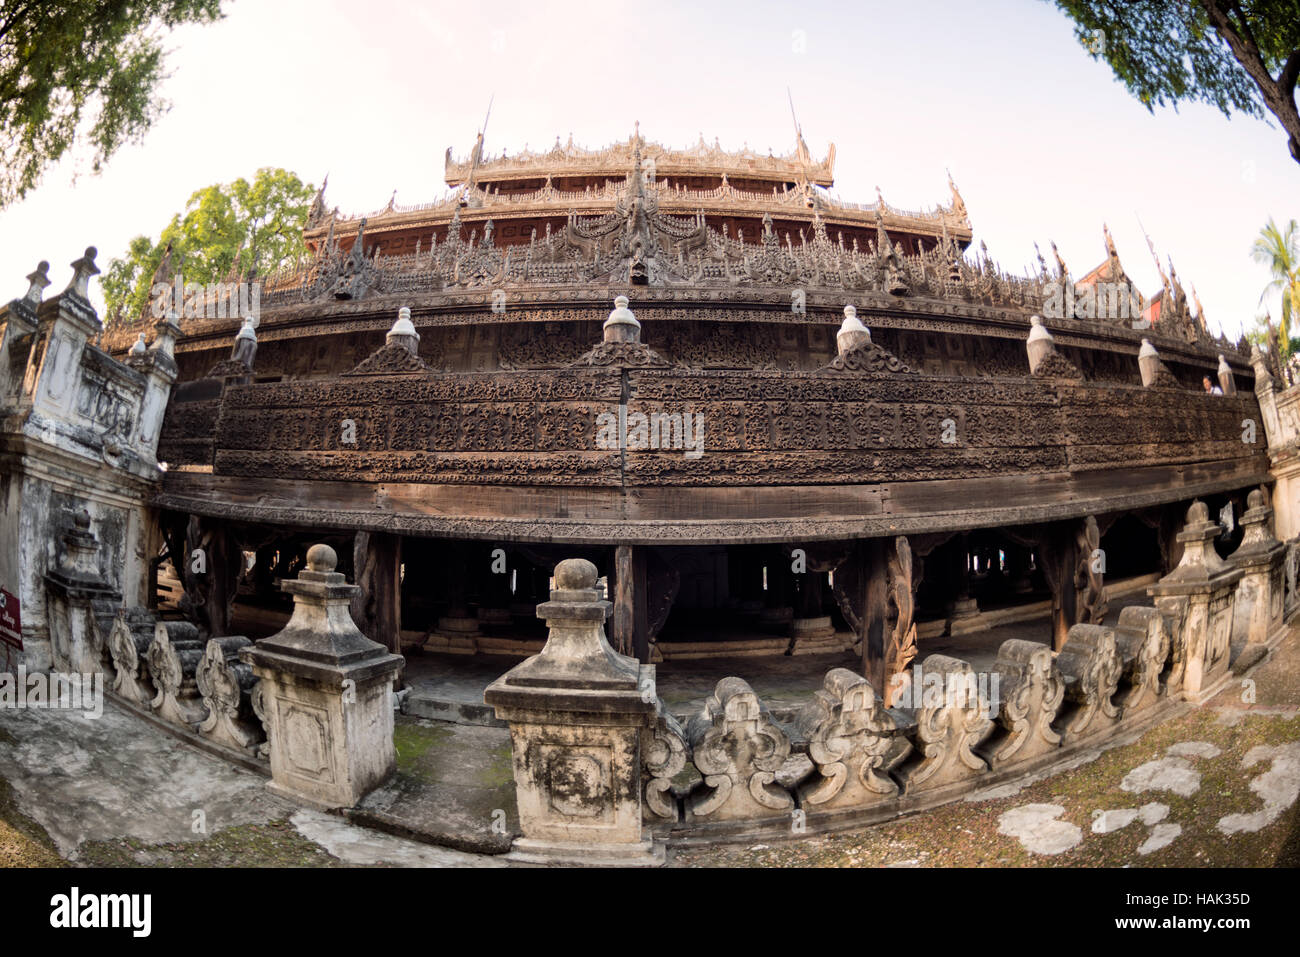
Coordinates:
(1217, 786)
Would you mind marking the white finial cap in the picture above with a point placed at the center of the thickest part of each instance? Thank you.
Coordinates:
(851, 321)
(622, 326)
(1038, 331)
(1147, 349)
(138, 349)
(403, 326)
(247, 331)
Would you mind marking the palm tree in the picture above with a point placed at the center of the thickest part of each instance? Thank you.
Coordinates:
(1279, 250)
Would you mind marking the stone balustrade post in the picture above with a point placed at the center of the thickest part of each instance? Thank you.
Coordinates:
(1258, 614)
(326, 692)
(577, 711)
(1199, 595)
(72, 589)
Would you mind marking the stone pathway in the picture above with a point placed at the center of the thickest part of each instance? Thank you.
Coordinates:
(118, 791)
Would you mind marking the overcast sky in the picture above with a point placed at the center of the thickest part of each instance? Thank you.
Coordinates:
(1042, 141)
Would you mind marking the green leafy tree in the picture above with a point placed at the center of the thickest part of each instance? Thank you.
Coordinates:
(226, 231)
(1279, 249)
(1242, 56)
(76, 69)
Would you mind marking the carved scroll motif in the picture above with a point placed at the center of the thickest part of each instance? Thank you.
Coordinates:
(848, 737)
(738, 749)
(173, 658)
(663, 756)
(1143, 645)
(128, 642)
(1030, 692)
(1091, 666)
(257, 700)
(224, 682)
(900, 633)
(952, 719)
(1088, 578)
(1292, 575)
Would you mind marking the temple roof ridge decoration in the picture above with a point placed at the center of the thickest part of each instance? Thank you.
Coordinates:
(569, 157)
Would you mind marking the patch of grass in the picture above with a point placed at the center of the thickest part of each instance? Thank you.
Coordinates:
(23, 842)
(501, 772)
(274, 844)
(413, 739)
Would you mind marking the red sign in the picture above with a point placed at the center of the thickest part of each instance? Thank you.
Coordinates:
(11, 627)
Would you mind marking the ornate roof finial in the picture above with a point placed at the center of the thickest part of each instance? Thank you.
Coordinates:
(1061, 269)
(958, 204)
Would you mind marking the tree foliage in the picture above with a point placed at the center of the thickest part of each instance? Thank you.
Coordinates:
(1279, 249)
(71, 69)
(1242, 56)
(226, 232)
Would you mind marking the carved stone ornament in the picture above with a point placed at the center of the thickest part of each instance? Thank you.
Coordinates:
(173, 658)
(1030, 692)
(1092, 668)
(129, 639)
(952, 718)
(738, 749)
(848, 736)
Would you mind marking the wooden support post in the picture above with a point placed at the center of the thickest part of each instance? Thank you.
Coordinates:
(377, 609)
(215, 579)
(629, 623)
(1060, 556)
(873, 578)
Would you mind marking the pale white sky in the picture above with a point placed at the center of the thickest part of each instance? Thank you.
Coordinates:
(1042, 142)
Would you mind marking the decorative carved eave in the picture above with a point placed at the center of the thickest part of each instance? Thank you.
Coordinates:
(866, 358)
(228, 368)
(1056, 366)
(391, 360)
(799, 205)
(633, 354)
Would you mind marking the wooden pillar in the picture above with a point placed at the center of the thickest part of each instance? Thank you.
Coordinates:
(873, 577)
(377, 610)
(214, 577)
(629, 621)
(1060, 557)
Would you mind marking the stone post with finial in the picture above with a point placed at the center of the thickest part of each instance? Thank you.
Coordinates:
(327, 693)
(71, 588)
(1257, 620)
(1198, 597)
(158, 365)
(576, 712)
(17, 321)
(1040, 343)
(66, 323)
